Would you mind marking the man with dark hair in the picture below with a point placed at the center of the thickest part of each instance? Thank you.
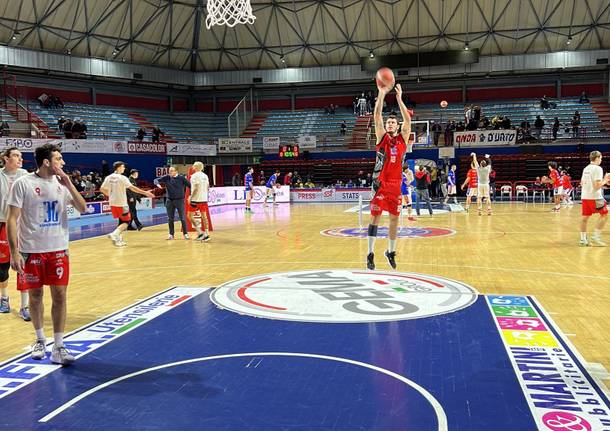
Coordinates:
(8, 174)
(115, 188)
(175, 186)
(392, 148)
(38, 235)
(132, 200)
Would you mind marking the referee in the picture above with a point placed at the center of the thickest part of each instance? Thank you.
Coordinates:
(175, 186)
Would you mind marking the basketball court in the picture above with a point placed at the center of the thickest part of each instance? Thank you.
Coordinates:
(276, 316)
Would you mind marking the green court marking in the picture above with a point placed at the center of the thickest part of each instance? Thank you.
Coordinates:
(400, 289)
(129, 326)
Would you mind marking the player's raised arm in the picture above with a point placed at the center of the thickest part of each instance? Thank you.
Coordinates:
(475, 162)
(406, 117)
(377, 114)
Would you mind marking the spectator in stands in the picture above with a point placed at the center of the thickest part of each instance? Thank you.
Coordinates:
(523, 132)
(43, 99)
(76, 129)
(476, 118)
(544, 102)
(5, 128)
(436, 130)
(538, 126)
(309, 184)
(68, 129)
(343, 128)
(360, 179)
(556, 126)
(56, 101)
(577, 114)
(449, 129)
(484, 123)
(369, 180)
(78, 181)
(576, 126)
(60, 123)
(288, 179)
(296, 179)
(89, 188)
(140, 135)
(583, 98)
(332, 109)
(83, 127)
(460, 127)
(506, 122)
(236, 180)
(156, 134)
(350, 184)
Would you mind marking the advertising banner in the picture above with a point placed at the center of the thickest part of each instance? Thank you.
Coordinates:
(191, 150)
(306, 142)
(141, 147)
(271, 143)
(235, 145)
(486, 138)
(329, 195)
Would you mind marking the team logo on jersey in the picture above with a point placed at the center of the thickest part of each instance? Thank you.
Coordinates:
(343, 296)
(382, 231)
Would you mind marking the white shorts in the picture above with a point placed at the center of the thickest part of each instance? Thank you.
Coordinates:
(451, 189)
(471, 191)
(558, 191)
(483, 190)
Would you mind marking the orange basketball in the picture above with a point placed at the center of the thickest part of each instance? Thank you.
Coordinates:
(444, 104)
(385, 78)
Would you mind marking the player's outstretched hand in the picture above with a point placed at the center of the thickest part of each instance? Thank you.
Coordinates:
(17, 262)
(398, 90)
(149, 194)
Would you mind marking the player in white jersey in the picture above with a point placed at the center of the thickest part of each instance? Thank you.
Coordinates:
(592, 195)
(115, 188)
(483, 170)
(198, 201)
(38, 235)
(8, 174)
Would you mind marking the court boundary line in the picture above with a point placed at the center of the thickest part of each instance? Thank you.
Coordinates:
(95, 322)
(601, 386)
(487, 268)
(437, 407)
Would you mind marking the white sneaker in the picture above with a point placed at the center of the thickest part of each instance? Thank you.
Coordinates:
(39, 350)
(61, 355)
(114, 237)
(170, 237)
(597, 241)
(584, 243)
(186, 236)
(120, 243)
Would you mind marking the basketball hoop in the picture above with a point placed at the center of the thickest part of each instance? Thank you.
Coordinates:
(229, 12)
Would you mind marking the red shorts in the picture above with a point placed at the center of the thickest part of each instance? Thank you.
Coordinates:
(384, 201)
(201, 206)
(588, 208)
(51, 268)
(5, 252)
(121, 213)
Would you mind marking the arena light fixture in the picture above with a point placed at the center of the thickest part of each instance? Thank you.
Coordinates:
(569, 41)
(466, 46)
(16, 34)
(282, 59)
(371, 54)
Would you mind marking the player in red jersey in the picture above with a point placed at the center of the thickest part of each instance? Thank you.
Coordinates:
(555, 181)
(392, 146)
(566, 182)
(472, 181)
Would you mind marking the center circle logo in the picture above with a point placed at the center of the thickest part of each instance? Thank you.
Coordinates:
(382, 232)
(343, 296)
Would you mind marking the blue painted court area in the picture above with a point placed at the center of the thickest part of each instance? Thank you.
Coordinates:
(179, 361)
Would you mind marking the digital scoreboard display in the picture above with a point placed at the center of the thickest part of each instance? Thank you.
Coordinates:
(289, 151)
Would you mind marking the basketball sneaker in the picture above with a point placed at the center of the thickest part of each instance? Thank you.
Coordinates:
(391, 256)
(4, 305)
(24, 313)
(186, 236)
(61, 355)
(114, 237)
(170, 237)
(206, 238)
(200, 237)
(39, 349)
(596, 240)
(584, 243)
(370, 261)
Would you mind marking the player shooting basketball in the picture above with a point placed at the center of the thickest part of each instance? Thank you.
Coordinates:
(387, 175)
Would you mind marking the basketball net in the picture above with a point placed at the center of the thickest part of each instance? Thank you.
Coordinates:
(229, 12)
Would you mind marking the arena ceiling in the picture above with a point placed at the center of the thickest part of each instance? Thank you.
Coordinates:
(305, 33)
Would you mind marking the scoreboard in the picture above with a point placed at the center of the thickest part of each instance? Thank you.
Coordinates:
(289, 151)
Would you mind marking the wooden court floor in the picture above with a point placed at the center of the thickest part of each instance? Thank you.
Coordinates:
(522, 249)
